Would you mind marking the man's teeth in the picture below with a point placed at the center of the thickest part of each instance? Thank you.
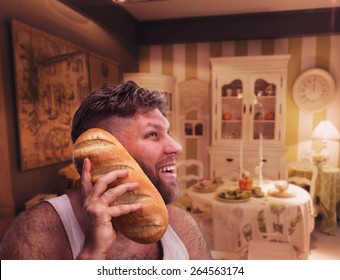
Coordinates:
(167, 169)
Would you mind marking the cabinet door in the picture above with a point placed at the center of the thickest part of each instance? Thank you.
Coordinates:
(229, 101)
(226, 165)
(265, 111)
(271, 167)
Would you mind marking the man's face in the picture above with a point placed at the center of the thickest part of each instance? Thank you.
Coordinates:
(146, 138)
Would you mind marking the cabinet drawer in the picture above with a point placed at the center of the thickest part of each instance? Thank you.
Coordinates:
(231, 173)
(224, 163)
(226, 160)
(226, 166)
(270, 170)
(266, 160)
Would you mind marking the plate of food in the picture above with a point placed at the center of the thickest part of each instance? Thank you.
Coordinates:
(233, 196)
(204, 186)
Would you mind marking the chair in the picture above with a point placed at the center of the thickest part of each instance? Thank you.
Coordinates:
(188, 172)
(304, 175)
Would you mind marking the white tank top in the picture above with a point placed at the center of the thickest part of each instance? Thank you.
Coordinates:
(173, 247)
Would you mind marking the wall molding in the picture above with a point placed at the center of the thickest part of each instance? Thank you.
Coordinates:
(240, 27)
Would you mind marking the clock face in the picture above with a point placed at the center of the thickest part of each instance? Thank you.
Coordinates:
(314, 90)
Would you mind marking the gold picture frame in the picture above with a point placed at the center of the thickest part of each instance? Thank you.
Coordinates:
(52, 78)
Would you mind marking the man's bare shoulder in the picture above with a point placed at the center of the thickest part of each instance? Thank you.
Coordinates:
(187, 229)
(36, 233)
(181, 219)
(175, 211)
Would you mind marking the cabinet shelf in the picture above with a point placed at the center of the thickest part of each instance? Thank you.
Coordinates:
(265, 97)
(231, 98)
(264, 121)
(231, 121)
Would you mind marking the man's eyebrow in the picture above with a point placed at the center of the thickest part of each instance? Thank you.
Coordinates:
(154, 125)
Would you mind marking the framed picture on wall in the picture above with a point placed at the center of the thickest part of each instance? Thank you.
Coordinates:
(51, 78)
(193, 128)
(103, 71)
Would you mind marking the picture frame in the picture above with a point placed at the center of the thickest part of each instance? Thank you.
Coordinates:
(193, 128)
(51, 79)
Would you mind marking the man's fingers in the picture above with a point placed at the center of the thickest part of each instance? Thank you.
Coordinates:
(111, 194)
(86, 184)
(119, 210)
(100, 186)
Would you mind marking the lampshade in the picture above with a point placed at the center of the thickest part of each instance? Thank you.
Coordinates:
(325, 130)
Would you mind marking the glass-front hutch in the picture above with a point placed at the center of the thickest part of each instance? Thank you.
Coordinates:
(248, 99)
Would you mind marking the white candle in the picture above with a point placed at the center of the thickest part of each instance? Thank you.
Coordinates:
(261, 160)
(261, 148)
(241, 157)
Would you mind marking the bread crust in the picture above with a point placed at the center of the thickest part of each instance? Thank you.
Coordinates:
(106, 154)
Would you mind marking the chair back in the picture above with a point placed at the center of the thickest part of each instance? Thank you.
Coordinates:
(303, 173)
(190, 170)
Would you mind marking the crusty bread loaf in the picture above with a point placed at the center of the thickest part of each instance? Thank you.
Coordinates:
(106, 153)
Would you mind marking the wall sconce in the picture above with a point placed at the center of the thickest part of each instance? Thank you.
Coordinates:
(325, 131)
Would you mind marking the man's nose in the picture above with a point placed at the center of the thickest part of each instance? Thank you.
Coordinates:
(173, 147)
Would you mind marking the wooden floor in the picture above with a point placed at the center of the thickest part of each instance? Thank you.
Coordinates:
(323, 246)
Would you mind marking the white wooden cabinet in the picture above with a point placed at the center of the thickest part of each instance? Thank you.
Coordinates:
(248, 99)
(159, 82)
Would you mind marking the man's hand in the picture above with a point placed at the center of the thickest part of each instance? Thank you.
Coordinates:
(100, 234)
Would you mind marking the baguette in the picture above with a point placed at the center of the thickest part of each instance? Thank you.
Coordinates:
(106, 154)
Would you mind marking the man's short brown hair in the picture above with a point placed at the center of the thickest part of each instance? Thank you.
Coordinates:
(124, 100)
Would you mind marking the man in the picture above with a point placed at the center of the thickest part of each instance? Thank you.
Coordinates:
(78, 225)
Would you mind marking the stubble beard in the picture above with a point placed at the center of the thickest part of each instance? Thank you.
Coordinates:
(168, 191)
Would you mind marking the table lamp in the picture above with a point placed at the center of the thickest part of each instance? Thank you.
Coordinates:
(325, 131)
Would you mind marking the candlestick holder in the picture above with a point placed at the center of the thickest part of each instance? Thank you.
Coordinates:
(240, 172)
(258, 172)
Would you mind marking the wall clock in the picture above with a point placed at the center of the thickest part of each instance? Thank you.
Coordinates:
(314, 90)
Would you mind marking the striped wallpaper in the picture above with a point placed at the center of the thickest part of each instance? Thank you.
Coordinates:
(185, 61)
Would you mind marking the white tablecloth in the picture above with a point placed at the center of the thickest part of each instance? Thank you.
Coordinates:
(234, 224)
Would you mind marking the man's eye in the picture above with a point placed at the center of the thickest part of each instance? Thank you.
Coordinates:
(152, 134)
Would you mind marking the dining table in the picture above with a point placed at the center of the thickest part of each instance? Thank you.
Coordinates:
(328, 194)
(236, 222)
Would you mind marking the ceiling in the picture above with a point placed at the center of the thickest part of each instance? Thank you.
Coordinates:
(145, 10)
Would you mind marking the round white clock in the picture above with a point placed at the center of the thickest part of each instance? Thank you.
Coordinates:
(314, 90)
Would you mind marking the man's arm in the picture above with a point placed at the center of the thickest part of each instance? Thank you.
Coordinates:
(187, 229)
(36, 234)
